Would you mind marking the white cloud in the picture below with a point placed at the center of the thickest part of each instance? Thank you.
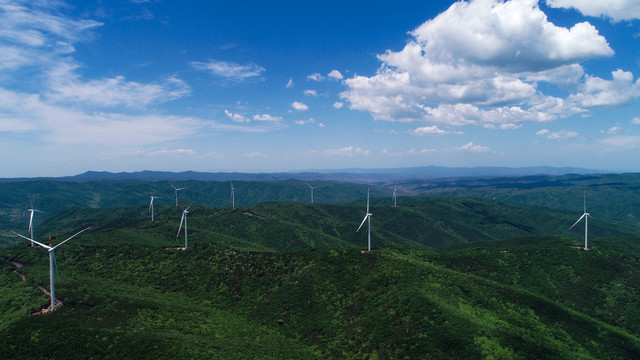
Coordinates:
(236, 117)
(471, 147)
(557, 135)
(229, 70)
(410, 152)
(335, 74)
(428, 130)
(310, 93)
(267, 117)
(614, 130)
(289, 83)
(478, 63)
(321, 125)
(315, 77)
(304, 122)
(635, 121)
(172, 152)
(617, 10)
(57, 125)
(347, 151)
(338, 104)
(65, 86)
(599, 92)
(299, 106)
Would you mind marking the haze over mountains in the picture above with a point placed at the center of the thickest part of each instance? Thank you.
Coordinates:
(352, 175)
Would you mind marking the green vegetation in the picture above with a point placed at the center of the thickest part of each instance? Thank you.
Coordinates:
(449, 278)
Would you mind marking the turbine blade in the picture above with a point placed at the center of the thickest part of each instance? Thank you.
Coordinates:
(180, 228)
(363, 220)
(74, 235)
(31, 219)
(583, 215)
(24, 237)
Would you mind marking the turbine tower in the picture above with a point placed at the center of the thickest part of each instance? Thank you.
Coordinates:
(184, 219)
(395, 189)
(233, 197)
(175, 192)
(151, 205)
(312, 187)
(585, 215)
(367, 217)
(32, 211)
(52, 261)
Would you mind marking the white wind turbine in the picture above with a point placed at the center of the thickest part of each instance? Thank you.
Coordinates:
(312, 187)
(185, 212)
(394, 196)
(32, 211)
(151, 205)
(175, 192)
(585, 215)
(52, 261)
(233, 197)
(368, 216)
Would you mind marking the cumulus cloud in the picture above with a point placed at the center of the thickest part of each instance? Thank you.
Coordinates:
(338, 104)
(616, 10)
(621, 89)
(481, 62)
(304, 122)
(289, 83)
(335, 74)
(311, 92)
(557, 135)
(635, 121)
(614, 130)
(299, 106)
(347, 151)
(266, 117)
(315, 77)
(428, 130)
(236, 117)
(471, 147)
(229, 71)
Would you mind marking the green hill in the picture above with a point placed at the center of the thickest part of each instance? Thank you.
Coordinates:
(140, 301)
(448, 279)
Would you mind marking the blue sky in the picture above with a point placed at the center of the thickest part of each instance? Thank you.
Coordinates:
(261, 86)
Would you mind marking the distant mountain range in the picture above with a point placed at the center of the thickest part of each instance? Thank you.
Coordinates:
(371, 176)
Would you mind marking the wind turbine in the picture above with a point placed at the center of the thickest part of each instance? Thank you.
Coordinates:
(585, 215)
(175, 192)
(394, 196)
(233, 197)
(184, 219)
(312, 187)
(151, 205)
(52, 261)
(32, 211)
(368, 216)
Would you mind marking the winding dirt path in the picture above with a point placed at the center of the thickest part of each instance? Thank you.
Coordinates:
(24, 278)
